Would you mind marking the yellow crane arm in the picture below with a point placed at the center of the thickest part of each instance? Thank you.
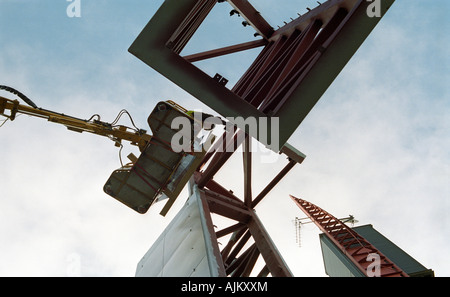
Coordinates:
(117, 133)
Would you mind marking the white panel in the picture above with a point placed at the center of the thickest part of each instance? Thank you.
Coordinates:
(181, 250)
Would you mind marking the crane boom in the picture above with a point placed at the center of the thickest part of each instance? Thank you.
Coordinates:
(354, 246)
(158, 170)
(117, 133)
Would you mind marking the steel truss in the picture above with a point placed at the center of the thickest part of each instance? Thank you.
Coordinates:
(296, 65)
(353, 245)
(238, 256)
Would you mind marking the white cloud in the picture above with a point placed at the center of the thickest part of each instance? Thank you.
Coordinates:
(376, 144)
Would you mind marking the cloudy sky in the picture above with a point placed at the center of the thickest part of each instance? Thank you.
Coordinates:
(377, 142)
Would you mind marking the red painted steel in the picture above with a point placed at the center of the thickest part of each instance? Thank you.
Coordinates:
(237, 258)
(294, 69)
(225, 50)
(279, 76)
(253, 17)
(281, 66)
(353, 245)
(190, 24)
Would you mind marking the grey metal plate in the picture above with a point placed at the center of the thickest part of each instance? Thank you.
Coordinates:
(139, 185)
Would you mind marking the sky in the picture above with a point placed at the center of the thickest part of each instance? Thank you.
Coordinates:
(377, 142)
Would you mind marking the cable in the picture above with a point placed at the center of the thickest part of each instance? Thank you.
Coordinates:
(9, 118)
(94, 115)
(113, 124)
(19, 94)
(1, 125)
(117, 141)
(32, 104)
(120, 115)
(120, 155)
(94, 118)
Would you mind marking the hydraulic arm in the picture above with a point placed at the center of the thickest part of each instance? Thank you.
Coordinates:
(10, 108)
(158, 173)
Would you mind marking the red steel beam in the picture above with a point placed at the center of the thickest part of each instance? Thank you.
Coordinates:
(216, 187)
(258, 91)
(247, 158)
(225, 199)
(226, 50)
(230, 229)
(324, 12)
(159, 44)
(273, 183)
(238, 240)
(294, 59)
(154, 47)
(267, 248)
(264, 272)
(220, 158)
(243, 265)
(235, 267)
(353, 245)
(248, 226)
(253, 17)
(307, 54)
(250, 262)
(254, 71)
(227, 207)
(217, 146)
(190, 24)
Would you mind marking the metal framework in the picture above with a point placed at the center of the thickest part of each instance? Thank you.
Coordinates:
(296, 65)
(10, 108)
(353, 245)
(237, 258)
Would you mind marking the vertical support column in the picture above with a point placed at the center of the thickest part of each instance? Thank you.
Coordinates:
(267, 248)
(236, 260)
(247, 157)
(214, 257)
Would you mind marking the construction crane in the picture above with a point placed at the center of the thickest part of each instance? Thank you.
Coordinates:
(158, 173)
(11, 108)
(354, 246)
